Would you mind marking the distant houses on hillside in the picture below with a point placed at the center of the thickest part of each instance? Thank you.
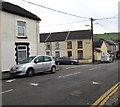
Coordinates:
(105, 48)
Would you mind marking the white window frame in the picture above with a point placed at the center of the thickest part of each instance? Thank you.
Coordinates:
(69, 44)
(57, 45)
(25, 28)
(57, 54)
(48, 45)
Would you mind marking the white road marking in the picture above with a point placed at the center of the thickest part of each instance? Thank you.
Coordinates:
(34, 84)
(68, 75)
(96, 83)
(100, 66)
(77, 66)
(72, 67)
(76, 73)
(92, 69)
(6, 91)
(10, 80)
(95, 68)
(68, 68)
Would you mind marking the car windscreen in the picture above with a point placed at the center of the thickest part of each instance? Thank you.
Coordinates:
(27, 60)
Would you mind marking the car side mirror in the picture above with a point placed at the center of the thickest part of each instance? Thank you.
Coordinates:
(35, 61)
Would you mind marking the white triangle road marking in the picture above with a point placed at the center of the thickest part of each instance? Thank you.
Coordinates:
(96, 83)
(34, 84)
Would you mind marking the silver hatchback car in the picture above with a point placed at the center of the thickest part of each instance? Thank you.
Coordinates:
(106, 59)
(34, 64)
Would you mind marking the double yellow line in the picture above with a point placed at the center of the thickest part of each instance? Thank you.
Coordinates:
(105, 97)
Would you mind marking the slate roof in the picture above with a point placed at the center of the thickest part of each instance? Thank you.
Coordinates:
(43, 37)
(52, 37)
(66, 35)
(80, 34)
(97, 44)
(97, 50)
(58, 36)
(17, 10)
(110, 42)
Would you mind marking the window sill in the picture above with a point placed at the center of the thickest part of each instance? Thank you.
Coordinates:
(47, 49)
(80, 59)
(22, 37)
(80, 47)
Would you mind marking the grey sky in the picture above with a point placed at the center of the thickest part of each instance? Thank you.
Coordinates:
(55, 22)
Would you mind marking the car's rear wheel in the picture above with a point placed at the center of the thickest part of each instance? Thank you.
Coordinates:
(30, 72)
(53, 69)
(58, 63)
(72, 63)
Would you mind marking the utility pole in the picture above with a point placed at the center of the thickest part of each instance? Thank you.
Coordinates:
(93, 59)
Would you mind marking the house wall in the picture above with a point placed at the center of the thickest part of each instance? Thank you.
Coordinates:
(97, 56)
(42, 49)
(104, 49)
(87, 50)
(9, 38)
(62, 49)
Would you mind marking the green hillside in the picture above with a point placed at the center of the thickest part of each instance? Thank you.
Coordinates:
(111, 36)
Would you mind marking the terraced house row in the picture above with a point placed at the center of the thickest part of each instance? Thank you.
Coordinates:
(74, 44)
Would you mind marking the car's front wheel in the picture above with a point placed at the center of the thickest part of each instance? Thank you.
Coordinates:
(30, 72)
(53, 69)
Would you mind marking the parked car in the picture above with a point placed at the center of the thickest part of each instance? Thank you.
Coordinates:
(106, 59)
(34, 64)
(66, 60)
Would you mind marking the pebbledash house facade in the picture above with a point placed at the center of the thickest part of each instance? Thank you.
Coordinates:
(74, 44)
(19, 35)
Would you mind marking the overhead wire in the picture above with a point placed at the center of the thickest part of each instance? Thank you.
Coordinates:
(103, 26)
(68, 13)
(108, 18)
(67, 23)
(55, 10)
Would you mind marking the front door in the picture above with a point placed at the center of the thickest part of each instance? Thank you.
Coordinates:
(22, 51)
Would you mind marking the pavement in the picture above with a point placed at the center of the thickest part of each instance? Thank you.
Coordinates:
(113, 101)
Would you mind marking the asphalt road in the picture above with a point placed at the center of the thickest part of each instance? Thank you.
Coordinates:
(72, 85)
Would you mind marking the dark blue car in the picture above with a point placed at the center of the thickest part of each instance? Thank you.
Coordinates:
(66, 61)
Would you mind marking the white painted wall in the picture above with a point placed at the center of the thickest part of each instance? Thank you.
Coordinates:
(42, 49)
(9, 37)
